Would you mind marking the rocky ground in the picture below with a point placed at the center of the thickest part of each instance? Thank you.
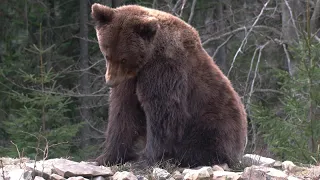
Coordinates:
(255, 168)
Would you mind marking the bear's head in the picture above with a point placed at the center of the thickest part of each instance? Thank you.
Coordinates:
(125, 38)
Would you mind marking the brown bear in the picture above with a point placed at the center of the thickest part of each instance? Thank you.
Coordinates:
(165, 90)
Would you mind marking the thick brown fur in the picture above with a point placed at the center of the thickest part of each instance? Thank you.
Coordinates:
(167, 90)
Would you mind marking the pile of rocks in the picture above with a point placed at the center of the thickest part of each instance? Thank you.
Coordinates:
(256, 168)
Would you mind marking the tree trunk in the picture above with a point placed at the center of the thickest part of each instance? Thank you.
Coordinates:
(221, 55)
(84, 77)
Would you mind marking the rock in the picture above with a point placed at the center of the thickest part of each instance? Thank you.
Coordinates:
(44, 168)
(288, 166)
(315, 172)
(263, 173)
(177, 175)
(202, 173)
(141, 177)
(217, 168)
(277, 164)
(293, 178)
(71, 168)
(67, 168)
(3, 174)
(77, 178)
(253, 159)
(99, 178)
(12, 161)
(91, 163)
(225, 167)
(226, 175)
(124, 175)
(160, 174)
(15, 169)
(19, 174)
(208, 169)
(301, 172)
(38, 178)
(305, 173)
(56, 177)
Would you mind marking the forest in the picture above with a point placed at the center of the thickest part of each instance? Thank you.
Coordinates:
(54, 100)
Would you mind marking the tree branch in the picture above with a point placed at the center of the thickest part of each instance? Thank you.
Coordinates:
(247, 35)
(192, 11)
(220, 46)
(288, 58)
(292, 18)
(254, 128)
(315, 17)
(182, 7)
(239, 30)
(269, 90)
(250, 69)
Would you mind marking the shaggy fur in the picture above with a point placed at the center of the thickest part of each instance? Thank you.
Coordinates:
(166, 91)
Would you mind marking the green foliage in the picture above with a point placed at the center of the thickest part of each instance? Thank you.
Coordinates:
(40, 119)
(33, 118)
(293, 131)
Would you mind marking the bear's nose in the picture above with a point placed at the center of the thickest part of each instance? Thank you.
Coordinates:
(112, 83)
(109, 81)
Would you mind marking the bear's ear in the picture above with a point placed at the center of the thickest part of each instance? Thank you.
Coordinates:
(147, 27)
(101, 14)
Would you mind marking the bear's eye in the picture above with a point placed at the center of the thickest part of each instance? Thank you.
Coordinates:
(123, 60)
(106, 57)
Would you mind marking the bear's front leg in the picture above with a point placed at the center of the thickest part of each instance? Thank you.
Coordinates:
(163, 97)
(126, 123)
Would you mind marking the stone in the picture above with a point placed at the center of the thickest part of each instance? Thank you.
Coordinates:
(16, 169)
(44, 168)
(225, 167)
(288, 166)
(263, 173)
(38, 178)
(141, 177)
(202, 173)
(177, 175)
(277, 164)
(253, 159)
(160, 174)
(124, 175)
(56, 177)
(71, 168)
(315, 172)
(217, 168)
(20, 174)
(77, 178)
(226, 175)
(304, 173)
(99, 178)
(91, 163)
(11, 161)
(293, 178)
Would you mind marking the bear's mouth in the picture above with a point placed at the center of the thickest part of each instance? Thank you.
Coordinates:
(113, 81)
(116, 75)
